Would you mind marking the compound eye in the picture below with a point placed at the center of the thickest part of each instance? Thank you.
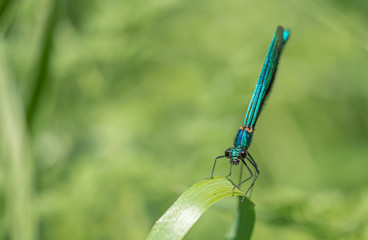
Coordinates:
(243, 154)
(227, 153)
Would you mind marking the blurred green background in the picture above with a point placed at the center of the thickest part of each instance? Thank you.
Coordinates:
(111, 109)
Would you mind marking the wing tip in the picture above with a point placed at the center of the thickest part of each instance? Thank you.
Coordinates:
(285, 33)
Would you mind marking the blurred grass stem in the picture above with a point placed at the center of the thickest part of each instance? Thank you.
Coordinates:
(42, 65)
(16, 162)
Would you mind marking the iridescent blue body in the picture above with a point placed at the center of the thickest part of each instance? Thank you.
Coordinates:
(244, 136)
(239, 152)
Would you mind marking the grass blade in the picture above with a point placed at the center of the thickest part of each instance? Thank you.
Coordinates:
(244, 220)
(182, 215)
(16, 161)
(42, 65)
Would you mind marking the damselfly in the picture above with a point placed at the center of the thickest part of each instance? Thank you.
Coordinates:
(239, 152)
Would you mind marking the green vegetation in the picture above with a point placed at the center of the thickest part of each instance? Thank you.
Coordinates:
(110, 110)
(181, 216)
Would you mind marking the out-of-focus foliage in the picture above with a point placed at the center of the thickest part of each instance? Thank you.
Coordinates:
(138, 97)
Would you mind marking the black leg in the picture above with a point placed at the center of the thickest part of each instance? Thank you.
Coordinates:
(213, 169)
(241, 172)
(230, 170)
(252, 161)
(256, 174)
(251, 175)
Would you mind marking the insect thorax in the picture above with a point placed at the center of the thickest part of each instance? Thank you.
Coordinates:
(244, 136)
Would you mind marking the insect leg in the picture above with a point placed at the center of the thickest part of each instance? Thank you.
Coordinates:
(251, 175)
(256, 174)
(251, 160)
(214, 164)
(230, 170)
(241, 172)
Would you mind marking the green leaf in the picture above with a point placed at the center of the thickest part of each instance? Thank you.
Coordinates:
(244, 221)
(182, 215)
